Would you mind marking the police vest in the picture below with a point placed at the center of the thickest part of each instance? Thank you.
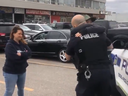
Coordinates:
(91, 48)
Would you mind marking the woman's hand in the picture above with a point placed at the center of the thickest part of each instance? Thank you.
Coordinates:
(19, 54)
(78, 34)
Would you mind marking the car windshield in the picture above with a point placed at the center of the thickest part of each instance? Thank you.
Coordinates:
(25, 28)
(46, 27)
(67, 26)
(113, 24)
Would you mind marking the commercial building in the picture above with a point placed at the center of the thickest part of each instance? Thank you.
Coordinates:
(19, 11)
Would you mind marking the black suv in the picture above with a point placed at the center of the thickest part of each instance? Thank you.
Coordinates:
(61, 25)
(5, 29)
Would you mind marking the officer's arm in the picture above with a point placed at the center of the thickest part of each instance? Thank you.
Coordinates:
(91, 29)
(77, 29)
(69, 51)
(70, 48)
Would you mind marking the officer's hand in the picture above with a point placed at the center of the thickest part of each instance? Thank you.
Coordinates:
(78, 34)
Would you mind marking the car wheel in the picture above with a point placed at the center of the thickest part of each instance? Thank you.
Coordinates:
(61, 56)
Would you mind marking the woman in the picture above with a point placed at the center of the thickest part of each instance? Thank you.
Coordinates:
(17, 53)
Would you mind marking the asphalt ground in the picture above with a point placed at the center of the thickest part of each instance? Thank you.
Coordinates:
(46, 76)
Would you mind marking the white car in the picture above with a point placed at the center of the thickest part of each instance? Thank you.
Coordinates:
(38, 27)
(120, 61)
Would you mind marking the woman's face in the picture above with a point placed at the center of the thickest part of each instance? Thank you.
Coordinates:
(18, 35)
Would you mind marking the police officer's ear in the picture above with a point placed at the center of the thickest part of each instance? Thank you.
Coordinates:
(75, 25)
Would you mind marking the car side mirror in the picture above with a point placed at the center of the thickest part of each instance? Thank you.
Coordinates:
(31, 37)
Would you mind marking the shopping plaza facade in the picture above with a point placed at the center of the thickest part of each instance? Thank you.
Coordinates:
(49, 11)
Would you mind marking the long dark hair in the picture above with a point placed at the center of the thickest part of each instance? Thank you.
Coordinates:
(14, 30)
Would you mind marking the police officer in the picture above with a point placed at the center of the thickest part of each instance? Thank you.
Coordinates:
(90, 58)
(89, 20)
(88, 24)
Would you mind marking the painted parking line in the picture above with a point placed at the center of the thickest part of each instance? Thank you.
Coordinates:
(26, 88)
(46, 64)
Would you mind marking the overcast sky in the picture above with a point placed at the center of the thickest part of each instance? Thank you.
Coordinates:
(119, 6)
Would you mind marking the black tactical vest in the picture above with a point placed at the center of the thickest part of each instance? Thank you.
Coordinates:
(91, 49)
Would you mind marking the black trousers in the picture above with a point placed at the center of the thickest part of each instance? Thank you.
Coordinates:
(98, 84)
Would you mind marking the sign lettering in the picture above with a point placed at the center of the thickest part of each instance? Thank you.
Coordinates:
(63, 13)
(37, 12)
(6, 10)
(89, 36)
(125, 66)
(19, 10)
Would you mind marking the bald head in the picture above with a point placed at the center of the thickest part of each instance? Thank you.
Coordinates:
(77, 20)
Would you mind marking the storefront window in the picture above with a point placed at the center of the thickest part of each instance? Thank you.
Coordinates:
(29, 18)
(77, 3)
(60, 2)
(7, 17)
(37, 19)
(53, 2)
(88, 3)
(102, 5)
(83, 3)
(65, 19)
(31, 0)
(69, 2)
(45, 19)
(96, 5)
(44, 1)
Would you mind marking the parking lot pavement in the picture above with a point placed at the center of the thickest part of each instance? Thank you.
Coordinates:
(46, 77)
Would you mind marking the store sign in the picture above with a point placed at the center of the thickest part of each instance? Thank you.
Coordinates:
(37, 12)
(19, 11)
(6, 10)
(63, 13)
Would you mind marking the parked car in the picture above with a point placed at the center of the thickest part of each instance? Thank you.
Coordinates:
(114, 33)
(122, 25)
(28, 32)
(38, 27)
(52, 42)
(61, 25)
(5, 29)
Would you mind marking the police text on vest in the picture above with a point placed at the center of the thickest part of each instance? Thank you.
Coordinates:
(89, 36)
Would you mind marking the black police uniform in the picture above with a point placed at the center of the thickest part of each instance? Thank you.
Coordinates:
(90, 55)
